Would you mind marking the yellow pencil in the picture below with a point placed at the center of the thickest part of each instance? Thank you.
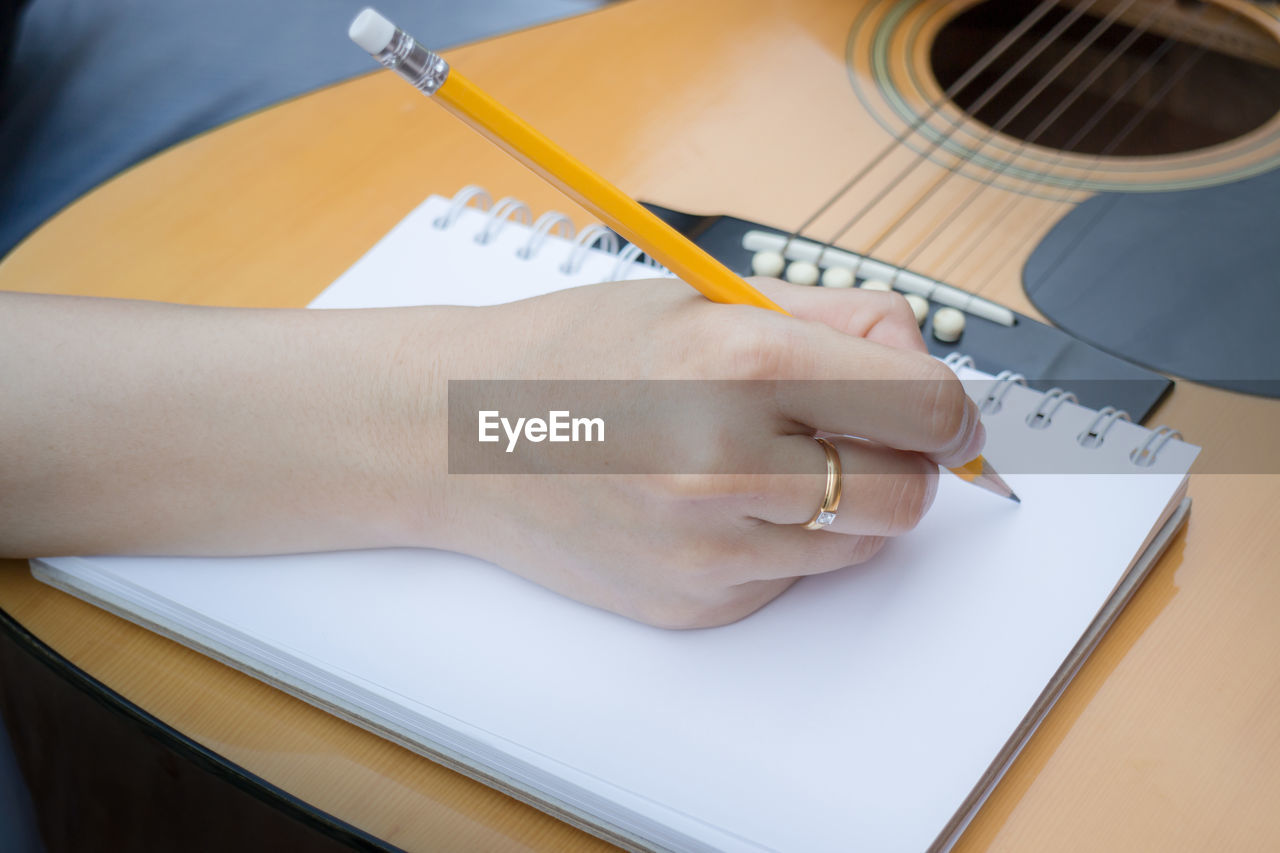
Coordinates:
(431, 75)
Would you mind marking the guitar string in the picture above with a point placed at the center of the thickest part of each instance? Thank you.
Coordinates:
(958, 258)
(1132, 125)
(1013, 112)
(954, 89)
(1027, 141)
(922, 158)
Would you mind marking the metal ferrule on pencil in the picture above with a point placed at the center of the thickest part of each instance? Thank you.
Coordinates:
(423, 68)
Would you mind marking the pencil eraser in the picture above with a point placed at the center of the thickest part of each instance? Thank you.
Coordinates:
(372, 31)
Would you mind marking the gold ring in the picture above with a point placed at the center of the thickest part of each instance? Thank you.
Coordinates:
(826, 513)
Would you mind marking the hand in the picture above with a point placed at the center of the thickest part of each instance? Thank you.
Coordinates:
(695, 546)
(143, 428)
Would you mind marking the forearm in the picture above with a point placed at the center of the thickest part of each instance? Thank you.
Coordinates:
(142, 428)
(131, 427)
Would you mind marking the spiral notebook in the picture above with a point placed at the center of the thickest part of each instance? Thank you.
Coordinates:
(872, 708)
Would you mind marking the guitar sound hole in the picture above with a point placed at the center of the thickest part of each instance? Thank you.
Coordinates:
(1231, 87)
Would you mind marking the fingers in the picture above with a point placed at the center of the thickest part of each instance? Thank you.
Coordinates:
(885, 491)
(791, 552)
(900, 398)
(884, 318)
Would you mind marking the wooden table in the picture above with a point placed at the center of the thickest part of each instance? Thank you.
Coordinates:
(1169, 739)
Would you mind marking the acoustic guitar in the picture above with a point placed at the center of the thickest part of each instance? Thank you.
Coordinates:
(968, 136)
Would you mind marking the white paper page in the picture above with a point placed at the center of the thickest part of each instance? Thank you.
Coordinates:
(420, 264)
(855, 712)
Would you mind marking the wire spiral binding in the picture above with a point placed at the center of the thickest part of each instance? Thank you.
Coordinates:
(590, 235)
(633, 254)
(502, 213)
(461, 199)
(1094, 434)
(1145, 456)
(1041, 417)
(510, 209)
(547, 222)
(994, 400)
(1050, 403)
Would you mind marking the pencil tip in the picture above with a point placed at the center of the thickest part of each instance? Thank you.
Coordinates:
(980, 473)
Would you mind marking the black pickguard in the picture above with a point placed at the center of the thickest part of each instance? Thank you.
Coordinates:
(1186, 282)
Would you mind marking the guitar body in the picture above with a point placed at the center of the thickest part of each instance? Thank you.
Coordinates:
(761, 109)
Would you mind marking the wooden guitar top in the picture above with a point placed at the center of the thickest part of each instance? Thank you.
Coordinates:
(1168, 738)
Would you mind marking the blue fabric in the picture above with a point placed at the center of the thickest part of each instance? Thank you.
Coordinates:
(17, 820)
(97, 85)
(8, 23)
